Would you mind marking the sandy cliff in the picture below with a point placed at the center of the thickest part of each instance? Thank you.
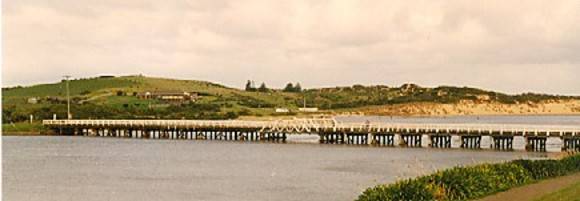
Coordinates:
(475, 108)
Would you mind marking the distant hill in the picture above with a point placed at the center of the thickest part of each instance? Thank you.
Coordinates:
(116, 97)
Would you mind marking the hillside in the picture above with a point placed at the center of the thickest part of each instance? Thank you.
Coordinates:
(118, 97)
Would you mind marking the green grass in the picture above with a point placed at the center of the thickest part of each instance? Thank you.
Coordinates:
(570, 193)
(22, 127)
(77, 87)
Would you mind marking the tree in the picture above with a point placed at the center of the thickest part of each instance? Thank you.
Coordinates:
(263, 88)
(297, 87)
(250, 86)
(289, 87)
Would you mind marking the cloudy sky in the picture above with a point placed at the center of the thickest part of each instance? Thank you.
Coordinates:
(510, 46)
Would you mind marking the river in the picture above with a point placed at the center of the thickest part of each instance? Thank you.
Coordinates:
(92, 168)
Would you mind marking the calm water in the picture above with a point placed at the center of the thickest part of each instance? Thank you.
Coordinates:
(90, 168)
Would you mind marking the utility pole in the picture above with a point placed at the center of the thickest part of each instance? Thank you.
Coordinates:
(69, 116)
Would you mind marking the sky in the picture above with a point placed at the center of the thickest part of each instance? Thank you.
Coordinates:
(511, 46)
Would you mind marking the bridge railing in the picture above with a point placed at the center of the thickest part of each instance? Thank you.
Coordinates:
(315, 125)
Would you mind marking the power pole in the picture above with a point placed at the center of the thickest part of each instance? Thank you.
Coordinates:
(69, 116)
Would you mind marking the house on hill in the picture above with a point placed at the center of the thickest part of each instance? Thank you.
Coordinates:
(308, 109)
(282, 110)
(170, 96)
(32, 100)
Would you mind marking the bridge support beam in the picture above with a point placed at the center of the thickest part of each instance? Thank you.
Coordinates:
(440, 141)
(398, 140)
(471, 142)
(503, 143)
(486, 142)
(456, 141)
(425, 140)
(554, 144)
(571, 144)
(519, 143)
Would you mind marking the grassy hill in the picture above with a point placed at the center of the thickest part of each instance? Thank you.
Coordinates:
(99, 98)
(115, 97)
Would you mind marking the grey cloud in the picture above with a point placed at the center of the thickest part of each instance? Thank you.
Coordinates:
(319, 43)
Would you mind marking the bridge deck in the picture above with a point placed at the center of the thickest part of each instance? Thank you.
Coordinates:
(298, 126)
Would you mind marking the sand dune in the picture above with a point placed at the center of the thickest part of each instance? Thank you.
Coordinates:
(473, 108)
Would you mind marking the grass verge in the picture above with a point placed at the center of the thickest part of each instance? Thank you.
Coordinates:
(23, 128)
(471, 182)
(570, 193)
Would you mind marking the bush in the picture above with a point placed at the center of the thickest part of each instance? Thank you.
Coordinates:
(463, 183)
(85, 92)
(403, 190)
(542, 169)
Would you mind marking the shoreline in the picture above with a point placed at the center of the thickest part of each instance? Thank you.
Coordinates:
(28, 133)
(524, 179)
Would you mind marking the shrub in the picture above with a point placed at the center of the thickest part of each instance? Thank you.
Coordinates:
(541, 169)
(463, 183)
(85, 92)
(404, 190)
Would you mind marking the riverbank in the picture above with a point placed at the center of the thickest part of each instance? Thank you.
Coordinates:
(473, 182)
(571, 193)
(24, 129)
(543, 190)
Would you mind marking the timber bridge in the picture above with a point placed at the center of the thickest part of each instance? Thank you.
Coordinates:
(505, 137)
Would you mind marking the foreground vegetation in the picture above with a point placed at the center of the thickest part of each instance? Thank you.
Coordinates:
(466, 183)
(116, 98)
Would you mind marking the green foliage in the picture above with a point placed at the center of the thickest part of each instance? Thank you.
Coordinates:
(360, 96)
(76, 87)
(297, 87)
(292, 88)
(289, 87)
(542, 169)
(464, 183)
(253, 102)
(403, 190)
(250, 86)
(85, 92)
(263, 88)
(22, 127)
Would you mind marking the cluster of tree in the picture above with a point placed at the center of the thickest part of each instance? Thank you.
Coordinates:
(250, 86)
(293, 87)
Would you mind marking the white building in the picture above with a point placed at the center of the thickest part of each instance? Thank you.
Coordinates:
(308, 109)
(282, 110)
(32, 100)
